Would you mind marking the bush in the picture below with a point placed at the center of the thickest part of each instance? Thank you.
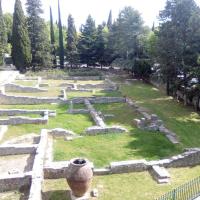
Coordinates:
(84, 72)
(142, 69)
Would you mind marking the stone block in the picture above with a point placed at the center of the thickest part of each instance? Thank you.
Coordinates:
(128, 166)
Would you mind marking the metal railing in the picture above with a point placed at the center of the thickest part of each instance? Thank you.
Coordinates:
(188, 191)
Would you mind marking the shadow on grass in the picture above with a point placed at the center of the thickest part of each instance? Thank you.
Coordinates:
(56, 195)
(152, 145)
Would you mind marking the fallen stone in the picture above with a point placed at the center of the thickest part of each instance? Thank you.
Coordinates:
(95, 192)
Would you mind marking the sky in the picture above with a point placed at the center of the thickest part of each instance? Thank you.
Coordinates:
(99, 9)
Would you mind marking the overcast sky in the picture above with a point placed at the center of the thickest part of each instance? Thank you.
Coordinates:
(99, 9)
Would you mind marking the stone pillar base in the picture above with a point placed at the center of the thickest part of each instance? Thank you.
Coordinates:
(85, 197)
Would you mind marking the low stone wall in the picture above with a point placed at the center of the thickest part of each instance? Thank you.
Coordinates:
(30, 78)
(24, 100)
(128, 166)
(13, 112)
(3, 130)
(95, 130)
(151, 122)
(81, 78)
(94, 100)
(37, 177)
(14, 182)
(96, 86)
(98, 120)
(10, 87)
(23, 120)
(17, 149)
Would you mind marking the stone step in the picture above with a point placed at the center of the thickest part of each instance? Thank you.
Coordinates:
(160, 174)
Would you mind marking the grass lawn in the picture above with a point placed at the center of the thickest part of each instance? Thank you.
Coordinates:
(30, 83)
(132, 186)
(103, 149)
(13, 195)
(62, 120)
(180, 119)
(96, 93)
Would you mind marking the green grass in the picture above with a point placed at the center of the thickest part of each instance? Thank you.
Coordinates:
(26, 83)
(96, 93)
(103, 149)
(62, 120)
(12, 195)
(132, 186)
(178, 118)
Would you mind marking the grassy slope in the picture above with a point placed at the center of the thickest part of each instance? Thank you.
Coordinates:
(180, 119)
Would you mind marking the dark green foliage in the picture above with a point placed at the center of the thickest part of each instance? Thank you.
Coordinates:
(8, 19)
(61, 45)
(21, 47)
(100, 45)
(40, 45)
(85, 72)
(3, 35)
(179, 39)
(52, 36)
(72, 40)
(109, 23)
(142, 69)
(86, 44)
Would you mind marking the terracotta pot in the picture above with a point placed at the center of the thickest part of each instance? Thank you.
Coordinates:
(79, 176)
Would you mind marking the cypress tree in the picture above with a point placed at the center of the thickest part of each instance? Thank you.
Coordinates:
(61, 46)
(53, 50)
(21, 48)
(109, 23)
(3, 35)
(72, 53)
(40, 45)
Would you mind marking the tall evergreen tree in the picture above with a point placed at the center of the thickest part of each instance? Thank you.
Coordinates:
(179, 39)
(100, 45)
(52, 35)
(21, 47)
(40, 45)
(3, 35)
(109, 23)
(61, 45)
(86, 44)
(72, 52)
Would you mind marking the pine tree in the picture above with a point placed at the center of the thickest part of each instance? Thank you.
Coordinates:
(72, 52)
(3, 35)
(21, 48)
(40, 45)
(53, 50)
(109, 23)
(87, 42)
(100, 45)
(61, 45)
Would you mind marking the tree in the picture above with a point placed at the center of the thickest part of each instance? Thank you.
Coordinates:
(8, 19)
(61, 45)
(178, 39)
(52, 36)
(21, 48)
(109, 23)
(100, 45)
(40, 45)
(3, 35)
(86, 44)
(72, 51)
